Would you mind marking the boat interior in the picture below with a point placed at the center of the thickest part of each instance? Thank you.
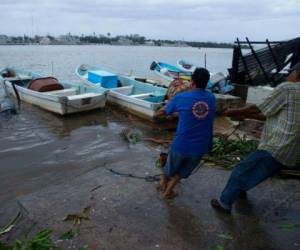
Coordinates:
(18, 79)
(142, 91)
(49, 85)
(24, 82)
(131, 87)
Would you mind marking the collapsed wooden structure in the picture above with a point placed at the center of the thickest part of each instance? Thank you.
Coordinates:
(263, 66)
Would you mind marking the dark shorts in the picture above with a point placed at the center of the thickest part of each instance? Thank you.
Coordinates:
(182, 165)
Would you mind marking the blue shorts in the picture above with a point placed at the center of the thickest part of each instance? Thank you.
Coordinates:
(179, 164)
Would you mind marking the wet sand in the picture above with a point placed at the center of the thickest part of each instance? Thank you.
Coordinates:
(52, 166)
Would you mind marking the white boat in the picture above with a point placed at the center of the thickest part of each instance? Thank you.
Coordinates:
(217, 82)
(168, 72)
(185, 65)
(49, 94)
(139, 98)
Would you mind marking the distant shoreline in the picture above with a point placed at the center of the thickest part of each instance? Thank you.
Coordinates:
(124, 40)
(118, 45)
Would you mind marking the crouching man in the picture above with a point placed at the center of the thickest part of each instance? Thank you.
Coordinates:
(196, 110)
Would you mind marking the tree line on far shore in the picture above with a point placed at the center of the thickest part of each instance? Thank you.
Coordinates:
(107, 39)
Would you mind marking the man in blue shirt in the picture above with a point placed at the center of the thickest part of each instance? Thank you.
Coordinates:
(196, 109)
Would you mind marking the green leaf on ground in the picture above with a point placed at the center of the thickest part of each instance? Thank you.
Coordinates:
(40, 241)
(227, 152)
(225, 236)
(4, 246)
(69, 234)
(77, 218)
(130, 135)
(289, 226)
(85, 247)
(6, 230)
(219, 247)
(10, 225)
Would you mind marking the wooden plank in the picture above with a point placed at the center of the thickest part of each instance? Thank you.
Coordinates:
(245, 65)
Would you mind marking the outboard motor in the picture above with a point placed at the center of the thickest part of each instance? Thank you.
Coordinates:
(153, 65)
(7, 106)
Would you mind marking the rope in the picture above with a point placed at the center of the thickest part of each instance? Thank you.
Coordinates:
(17, 94)
(233, 131)
(150, 178)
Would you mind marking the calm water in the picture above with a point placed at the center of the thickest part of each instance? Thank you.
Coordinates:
(122, 59)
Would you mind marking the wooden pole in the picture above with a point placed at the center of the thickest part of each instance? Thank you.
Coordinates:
(258, 61)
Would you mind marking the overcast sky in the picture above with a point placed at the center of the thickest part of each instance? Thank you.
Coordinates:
(192, 20)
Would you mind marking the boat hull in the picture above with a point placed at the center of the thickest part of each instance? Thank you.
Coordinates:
(132, 102)
(186, 66)
(60, 102)
(135, 107)
(168, 72)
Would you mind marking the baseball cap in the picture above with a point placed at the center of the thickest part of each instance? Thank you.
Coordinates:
(295, 67)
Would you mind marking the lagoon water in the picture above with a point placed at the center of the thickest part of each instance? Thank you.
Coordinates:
(121, 59)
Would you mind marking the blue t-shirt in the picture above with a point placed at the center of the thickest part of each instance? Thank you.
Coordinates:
(194, 132)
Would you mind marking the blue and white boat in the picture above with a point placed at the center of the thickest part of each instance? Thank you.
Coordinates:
(50, 94)
(139, 98)
(169, 72)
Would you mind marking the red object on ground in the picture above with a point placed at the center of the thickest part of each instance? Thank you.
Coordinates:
(45, 84)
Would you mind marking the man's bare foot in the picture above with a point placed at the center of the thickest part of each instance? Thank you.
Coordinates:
(170, 195)
(161, 187)
(163, 182)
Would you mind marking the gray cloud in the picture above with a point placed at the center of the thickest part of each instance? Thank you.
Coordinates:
(215, 20)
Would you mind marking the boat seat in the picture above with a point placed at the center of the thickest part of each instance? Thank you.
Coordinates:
(126, 90)
(82, 96)
(45, 84)
(143, 95)
(62, 92)
(12, 79)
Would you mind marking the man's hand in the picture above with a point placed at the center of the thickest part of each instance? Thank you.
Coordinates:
(249, 111)
(159, 114)
(237, 114)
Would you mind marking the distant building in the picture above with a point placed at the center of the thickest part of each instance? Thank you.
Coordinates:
(68, 40)
(3, 39)
(122, 40)
(175, 44)
(149, 43)
(181, 44)
(45, 41)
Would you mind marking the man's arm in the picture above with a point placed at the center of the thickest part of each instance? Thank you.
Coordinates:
(249, 111)
(167, 110)
(275, 102)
